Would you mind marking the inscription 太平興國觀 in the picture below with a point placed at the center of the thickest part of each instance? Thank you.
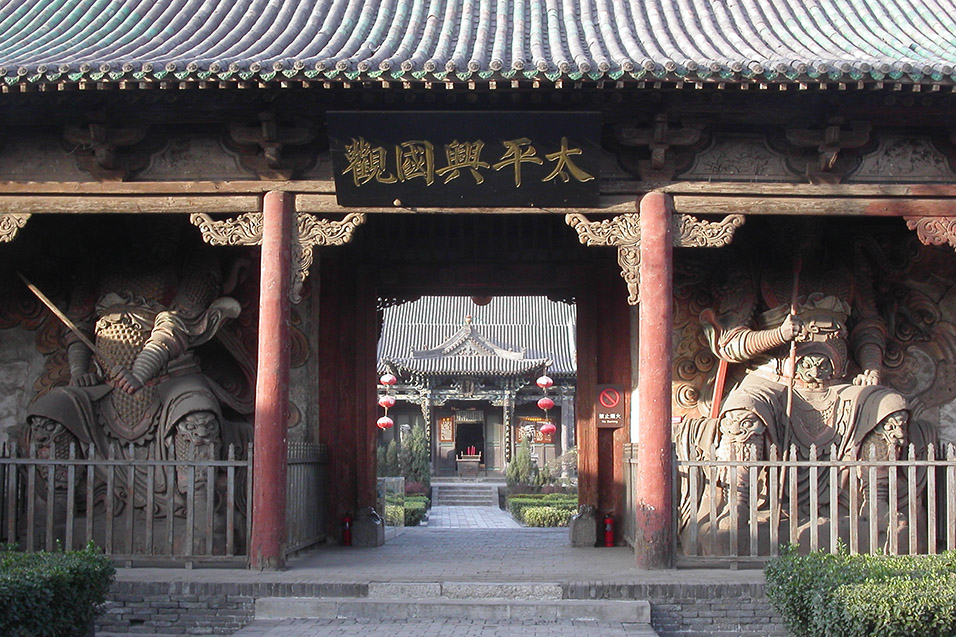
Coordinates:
(415, 159)
(465, 159)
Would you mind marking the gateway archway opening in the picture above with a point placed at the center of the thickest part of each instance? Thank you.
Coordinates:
(397, 260)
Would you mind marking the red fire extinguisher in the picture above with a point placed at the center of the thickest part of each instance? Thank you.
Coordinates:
(347, 529)
(608, 530)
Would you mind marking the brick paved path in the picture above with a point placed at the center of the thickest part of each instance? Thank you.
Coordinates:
(470, 517)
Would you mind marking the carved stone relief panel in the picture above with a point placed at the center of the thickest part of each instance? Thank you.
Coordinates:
(38, 155)
(194, 157)
(912, 291)
(900, 157)
(743, 157)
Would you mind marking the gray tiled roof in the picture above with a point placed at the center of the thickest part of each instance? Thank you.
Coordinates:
(508, 336)
(480, 40)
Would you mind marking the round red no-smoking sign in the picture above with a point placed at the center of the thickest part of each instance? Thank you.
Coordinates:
(609, 398)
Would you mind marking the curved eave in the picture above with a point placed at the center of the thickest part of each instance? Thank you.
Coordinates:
(93, 77)
(484, 366)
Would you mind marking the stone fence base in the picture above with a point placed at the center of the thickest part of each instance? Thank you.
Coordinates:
(685, 610)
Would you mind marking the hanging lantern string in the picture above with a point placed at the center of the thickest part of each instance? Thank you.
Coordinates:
(386, 401)
(545, 403)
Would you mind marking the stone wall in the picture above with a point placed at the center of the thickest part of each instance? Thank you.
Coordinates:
(696, 610)
(684, 610)
(198, 608)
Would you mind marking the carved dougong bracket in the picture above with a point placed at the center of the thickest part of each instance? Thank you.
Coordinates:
(624, 233)
(109, 153)
(934, 231)
(311, 232)
(829, 142)
(273, 149)
(10, 225)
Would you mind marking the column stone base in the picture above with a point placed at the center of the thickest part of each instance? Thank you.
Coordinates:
(583, 527)
(368, 528)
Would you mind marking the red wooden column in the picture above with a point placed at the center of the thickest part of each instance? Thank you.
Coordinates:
(270, 444)
(653, 541)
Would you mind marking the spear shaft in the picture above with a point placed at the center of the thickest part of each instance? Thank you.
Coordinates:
(70, 325)
(794, 297)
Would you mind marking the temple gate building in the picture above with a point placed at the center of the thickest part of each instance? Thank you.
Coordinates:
(752, 207)
(467, 369)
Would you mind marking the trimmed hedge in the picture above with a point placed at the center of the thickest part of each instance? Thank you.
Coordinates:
(418, 498)
(864, 595)
(394, 515)
(414, 512)
(517, 505)
(547, 516)
(52, 593)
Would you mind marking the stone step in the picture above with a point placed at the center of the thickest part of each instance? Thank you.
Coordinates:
(466, 496)
(467, 590)
(636, 613)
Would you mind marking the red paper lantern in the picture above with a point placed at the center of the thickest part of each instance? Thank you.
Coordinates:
(385, 423)
(544, 382)
(386, 401)
(545, 403)
(388, 379)
(548, 428)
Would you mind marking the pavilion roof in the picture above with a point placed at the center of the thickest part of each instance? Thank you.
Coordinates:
(730, 41)
(453, 336)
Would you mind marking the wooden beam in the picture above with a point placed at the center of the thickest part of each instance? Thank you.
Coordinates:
(146, 204)
(319, 204)
(815, 206)
(163, 187)
(737, 188)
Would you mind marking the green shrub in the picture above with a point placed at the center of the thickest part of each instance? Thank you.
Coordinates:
(391, 459)
(415, 457)
(414, 512)
(396, 499)
(517, 505)
(852, 595)
(418, 498)
(547, 516)
(394, 515)
(52, 593)
(520, 469)
(899, 606)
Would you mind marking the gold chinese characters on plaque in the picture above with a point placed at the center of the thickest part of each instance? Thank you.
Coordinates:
(426, 159)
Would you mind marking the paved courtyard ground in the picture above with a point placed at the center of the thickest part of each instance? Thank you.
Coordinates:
(459, 544)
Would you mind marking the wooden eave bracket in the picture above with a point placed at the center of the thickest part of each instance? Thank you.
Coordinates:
(935, 231)
(312, 232)
(624, 233)
(10, 225)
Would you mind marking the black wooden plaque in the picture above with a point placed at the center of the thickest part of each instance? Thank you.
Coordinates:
(465, 159)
